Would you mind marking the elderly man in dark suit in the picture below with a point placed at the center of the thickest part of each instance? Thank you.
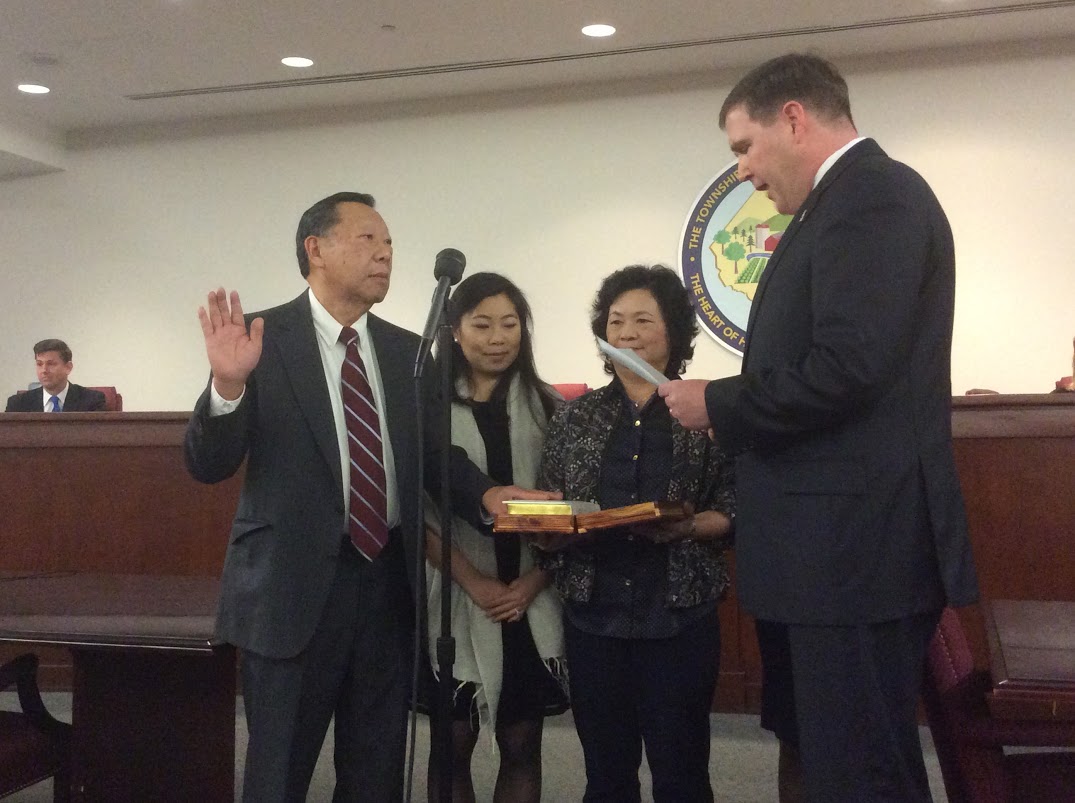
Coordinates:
(54, 363)
(323, 616)
(851, 530)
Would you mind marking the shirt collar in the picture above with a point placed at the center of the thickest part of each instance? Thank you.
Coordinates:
(632, 408)
(328, 328)
(821, 171)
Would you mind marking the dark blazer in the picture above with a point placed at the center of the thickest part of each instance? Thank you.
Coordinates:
(850, 509)
(79, 400)
(289, 524)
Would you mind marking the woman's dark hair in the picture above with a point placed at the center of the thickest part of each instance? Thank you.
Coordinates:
(672, 299)
(469, 294)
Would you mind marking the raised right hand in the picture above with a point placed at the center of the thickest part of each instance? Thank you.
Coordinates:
(233, 352)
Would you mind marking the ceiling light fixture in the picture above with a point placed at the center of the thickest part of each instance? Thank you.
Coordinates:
(34, 89)
(297, 61)
(598, 30)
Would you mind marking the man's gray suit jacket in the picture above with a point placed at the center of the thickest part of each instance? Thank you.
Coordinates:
(290, 522)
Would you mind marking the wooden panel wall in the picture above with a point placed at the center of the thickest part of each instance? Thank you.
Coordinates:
(109, 492)
(105, 492)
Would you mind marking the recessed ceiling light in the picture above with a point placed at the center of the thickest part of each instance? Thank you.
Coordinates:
(34, 89)
(599, 30)
(297, 61)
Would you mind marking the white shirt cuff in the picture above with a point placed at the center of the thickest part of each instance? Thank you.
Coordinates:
(218, 405)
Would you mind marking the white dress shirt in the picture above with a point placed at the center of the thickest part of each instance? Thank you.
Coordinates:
(332, 355)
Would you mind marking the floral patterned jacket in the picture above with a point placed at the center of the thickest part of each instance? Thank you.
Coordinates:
(571, 463)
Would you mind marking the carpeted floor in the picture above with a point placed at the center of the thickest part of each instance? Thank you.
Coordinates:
(742, 761)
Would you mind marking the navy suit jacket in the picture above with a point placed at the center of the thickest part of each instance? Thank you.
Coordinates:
(79, 400)
(290, 522)
(849, 507)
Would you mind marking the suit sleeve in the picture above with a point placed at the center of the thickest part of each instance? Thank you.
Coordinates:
(215, 446)
(468, 483)
(867, 266)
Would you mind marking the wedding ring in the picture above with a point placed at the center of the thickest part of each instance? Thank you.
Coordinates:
(518, 614)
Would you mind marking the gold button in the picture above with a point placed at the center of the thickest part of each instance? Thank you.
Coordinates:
(635, 457)
(638, 423)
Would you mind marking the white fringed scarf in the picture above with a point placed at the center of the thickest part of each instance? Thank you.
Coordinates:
(479, 657)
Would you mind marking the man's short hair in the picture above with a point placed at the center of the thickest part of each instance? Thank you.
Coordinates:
(318, 220)
(804, 77)
(53, 344)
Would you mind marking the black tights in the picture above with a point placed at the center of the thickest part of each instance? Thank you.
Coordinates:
(519, 778)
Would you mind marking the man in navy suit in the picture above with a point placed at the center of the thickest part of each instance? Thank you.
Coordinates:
(56, 394)
(325, 633)
(851, 530)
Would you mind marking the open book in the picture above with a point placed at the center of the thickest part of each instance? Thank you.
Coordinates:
(564, 517)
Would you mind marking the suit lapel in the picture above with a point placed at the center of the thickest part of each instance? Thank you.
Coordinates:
(301, 359)
(866, 148)
(770, 269)
(36, 398)
(74, 397)
(396, 365)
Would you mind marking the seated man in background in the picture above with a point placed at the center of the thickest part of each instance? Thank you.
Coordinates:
(56, 394)
(1066, 384)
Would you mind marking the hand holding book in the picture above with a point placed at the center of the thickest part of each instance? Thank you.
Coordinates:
(572, 518)
(667, 532)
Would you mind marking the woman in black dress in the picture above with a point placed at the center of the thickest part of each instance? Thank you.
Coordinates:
(506, 620)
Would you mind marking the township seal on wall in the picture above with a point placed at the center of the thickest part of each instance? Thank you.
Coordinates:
(727, 240)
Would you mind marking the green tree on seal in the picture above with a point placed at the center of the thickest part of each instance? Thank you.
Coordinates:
(735, 252)
(722, 237)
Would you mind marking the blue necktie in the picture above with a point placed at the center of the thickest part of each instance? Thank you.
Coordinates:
(55, 403)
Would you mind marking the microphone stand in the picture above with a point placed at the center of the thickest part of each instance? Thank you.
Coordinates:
(442, 742)
(448, 270)
(446, 642)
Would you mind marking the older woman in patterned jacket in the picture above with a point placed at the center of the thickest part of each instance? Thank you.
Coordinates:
(640, 602)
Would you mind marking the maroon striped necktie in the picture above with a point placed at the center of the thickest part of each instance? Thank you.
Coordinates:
(368, 524)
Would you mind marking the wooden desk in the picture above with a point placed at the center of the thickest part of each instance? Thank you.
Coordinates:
(153, 697)
(1032, 656)
(118, 501)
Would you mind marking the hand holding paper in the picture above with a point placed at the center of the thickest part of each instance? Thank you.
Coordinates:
(685, 399)
(632, 362)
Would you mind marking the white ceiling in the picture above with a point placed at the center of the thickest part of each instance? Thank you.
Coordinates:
(115, 63)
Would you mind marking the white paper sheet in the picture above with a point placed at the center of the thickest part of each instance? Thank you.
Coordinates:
(632, 362)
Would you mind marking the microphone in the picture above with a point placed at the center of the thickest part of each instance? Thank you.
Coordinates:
(450, 263)
(447, 270)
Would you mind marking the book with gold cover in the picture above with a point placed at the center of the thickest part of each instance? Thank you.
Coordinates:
(549, 507)
(565, 522)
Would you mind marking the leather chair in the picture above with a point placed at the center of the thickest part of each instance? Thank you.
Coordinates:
(33, 745)
(113, 400)
(971, 742)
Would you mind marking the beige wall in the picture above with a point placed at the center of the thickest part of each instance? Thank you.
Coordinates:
(554, 189)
